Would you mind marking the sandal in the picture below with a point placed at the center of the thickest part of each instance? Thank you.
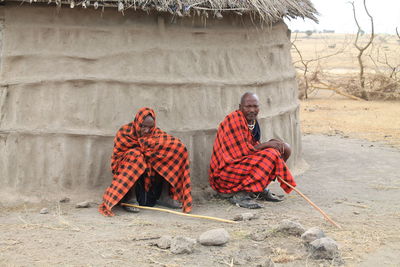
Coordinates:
(169, 203)
(267, 195)
(131, 209)
(244, 201)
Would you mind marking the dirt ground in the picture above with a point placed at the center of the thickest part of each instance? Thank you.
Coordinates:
(353, 151)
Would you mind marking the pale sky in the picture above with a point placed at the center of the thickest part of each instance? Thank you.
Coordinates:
(338, 15)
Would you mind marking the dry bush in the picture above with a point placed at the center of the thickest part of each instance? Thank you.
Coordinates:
(378, 86)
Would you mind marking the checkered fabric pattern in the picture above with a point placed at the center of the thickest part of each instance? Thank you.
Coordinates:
(134, 156)
(237, 166)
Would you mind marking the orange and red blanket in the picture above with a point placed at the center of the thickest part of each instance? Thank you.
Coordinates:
(134, 156)
(237, 166)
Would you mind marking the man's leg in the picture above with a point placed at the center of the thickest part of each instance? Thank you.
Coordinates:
(165, 200)
(130, 198)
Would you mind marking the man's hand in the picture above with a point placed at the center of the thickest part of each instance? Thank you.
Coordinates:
(283, 148)
(273, 143)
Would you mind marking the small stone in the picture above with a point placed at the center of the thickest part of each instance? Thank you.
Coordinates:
(44, 211)
(215, 237)
(259, 234)
(356, 212)
(324, 248)
(311, 109)
(267, 263)
(312, 234)
(247, 216)
(180, 245)
(164, 242)
(290, 228)
(84, 204)
(65, 200)
(241, 258)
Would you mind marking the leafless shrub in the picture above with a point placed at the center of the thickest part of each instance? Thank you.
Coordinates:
(361, 48)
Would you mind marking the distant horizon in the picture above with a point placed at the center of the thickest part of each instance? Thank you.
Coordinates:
(338, 16)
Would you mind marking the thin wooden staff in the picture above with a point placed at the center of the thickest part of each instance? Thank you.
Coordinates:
(179, 213)
(312, 203)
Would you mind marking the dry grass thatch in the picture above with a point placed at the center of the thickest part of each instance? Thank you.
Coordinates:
(268, 11)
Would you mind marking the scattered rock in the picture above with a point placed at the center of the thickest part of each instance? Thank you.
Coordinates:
(65, 200)
(215, 237)
(241, 258)
(290, 228)
(84, 204)
(324, 248)
(356, 212)
(180, 245)
(267, 263)
(247, 216)
(164, 242)
(259, 234)
(44, 211)
(311, 109)
(312, 234)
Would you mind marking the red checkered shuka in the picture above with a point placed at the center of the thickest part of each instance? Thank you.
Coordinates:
(237, 166)
(134, 156)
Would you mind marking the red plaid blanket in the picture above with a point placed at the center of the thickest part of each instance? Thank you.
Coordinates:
(237, 166)
(134, 156)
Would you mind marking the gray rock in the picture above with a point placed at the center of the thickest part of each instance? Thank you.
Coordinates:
(180, 245)
(84, 204)
(290, 228)
(44, 211)
(259, 234)
(312, 234)
(65, 200)
(247, 216)
(215, 237)
(164, 242)
(324, 248)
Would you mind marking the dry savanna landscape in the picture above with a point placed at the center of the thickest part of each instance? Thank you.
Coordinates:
(351, 151)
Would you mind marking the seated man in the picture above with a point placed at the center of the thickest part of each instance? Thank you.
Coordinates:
(145, 161)
(240, 164)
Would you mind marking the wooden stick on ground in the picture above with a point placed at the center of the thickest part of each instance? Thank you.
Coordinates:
(312, 203)
(179, 213)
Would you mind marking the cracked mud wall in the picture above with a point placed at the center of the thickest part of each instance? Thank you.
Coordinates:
(70, 79)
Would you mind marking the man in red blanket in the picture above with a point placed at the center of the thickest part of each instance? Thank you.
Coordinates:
(145, 162)
(240, 164)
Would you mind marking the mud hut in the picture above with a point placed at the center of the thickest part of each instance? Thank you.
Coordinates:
(73, 71)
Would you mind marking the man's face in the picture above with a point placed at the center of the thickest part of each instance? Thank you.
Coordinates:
(147, 126)
(250, 107)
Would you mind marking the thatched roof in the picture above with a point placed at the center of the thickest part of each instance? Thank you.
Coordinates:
(268, 11)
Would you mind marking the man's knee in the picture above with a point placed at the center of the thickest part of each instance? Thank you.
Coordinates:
(287, 151)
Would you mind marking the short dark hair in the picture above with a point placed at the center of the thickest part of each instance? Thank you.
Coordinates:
(245, 95)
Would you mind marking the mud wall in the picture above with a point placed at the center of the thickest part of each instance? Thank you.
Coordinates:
(71, 78)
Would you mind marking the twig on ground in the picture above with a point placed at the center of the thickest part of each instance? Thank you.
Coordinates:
(146, 238)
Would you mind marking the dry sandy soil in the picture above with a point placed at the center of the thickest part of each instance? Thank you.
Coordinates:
(353, 152)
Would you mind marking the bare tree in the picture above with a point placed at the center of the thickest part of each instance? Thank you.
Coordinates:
(306, 64)
(361, 48)
(397, 32)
